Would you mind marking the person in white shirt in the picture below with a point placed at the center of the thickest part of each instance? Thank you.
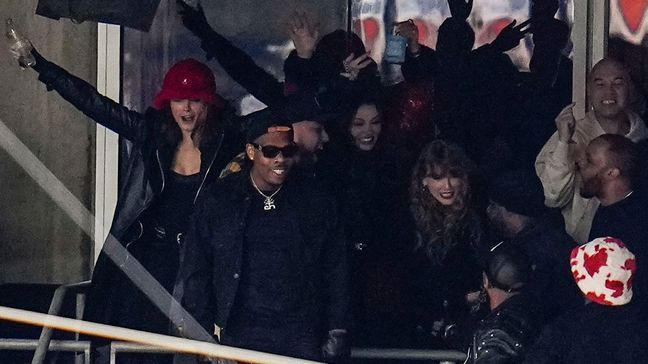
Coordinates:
(609, 88)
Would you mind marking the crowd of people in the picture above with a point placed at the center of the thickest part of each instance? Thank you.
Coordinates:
(486, 220)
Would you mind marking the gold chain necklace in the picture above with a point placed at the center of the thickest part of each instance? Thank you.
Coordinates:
(268, 202)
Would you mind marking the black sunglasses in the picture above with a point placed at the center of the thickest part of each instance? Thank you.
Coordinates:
(271, 151)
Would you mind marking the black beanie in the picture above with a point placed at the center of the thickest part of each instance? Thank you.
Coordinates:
(519, 191)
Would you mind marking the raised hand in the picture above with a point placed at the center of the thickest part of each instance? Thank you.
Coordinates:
(408, 30)
(566, 124)
(194, 19)
(543, 9)
(460, 8)
(304, 34)
(353, 66)
(510, 36)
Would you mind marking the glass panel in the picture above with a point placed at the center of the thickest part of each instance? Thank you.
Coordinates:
(628, 20)
(627, 42)
(488, 17)
(259, 28)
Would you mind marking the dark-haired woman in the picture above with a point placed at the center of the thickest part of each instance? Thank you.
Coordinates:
(446, 266)
(370, 185)
(179, 146)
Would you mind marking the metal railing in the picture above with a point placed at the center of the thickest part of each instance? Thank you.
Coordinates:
(441, 356)
(45, 342)
(54, 345)
(128, 347)
(54, 309)
(155, 343)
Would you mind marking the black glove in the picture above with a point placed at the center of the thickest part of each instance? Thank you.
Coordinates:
(194, 19)
(336, 348)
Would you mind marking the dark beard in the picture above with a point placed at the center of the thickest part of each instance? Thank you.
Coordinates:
(590, 188)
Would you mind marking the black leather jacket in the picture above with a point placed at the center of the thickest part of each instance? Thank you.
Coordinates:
(146, 166)
(506, 334)
(211, 258)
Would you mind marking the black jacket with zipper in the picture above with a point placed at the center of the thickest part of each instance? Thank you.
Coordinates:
(211, 258)
(145, 169)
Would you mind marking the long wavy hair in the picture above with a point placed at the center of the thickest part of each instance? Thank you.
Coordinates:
(441, 227)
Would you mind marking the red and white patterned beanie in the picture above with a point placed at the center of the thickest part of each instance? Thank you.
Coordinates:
(603, 270)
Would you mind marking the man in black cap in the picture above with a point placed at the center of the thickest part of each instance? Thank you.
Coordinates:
(505, 335)
(518, 214)
(309, 137)
(265, 257)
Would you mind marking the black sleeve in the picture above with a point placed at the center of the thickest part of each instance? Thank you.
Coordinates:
(242, 68)
(420, 67)
(550, 347)
(125, 122)
(300, 73)
(324, 86)
(495, 346)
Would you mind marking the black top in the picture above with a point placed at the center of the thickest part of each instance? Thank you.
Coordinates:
(273, 288)
(548, 246)
(594, 334)
(171, 210)
(438, 290)
(212, 258)
(626, 220)
(158, 251)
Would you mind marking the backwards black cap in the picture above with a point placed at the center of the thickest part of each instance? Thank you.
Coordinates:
(265, 121)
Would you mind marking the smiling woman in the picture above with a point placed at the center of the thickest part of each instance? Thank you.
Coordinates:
(446, 266)
(366, 126)
(440, 197)
(176, 144)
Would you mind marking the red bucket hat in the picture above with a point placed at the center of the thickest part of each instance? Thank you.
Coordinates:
(188, 79)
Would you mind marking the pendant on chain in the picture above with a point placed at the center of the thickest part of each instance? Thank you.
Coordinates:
(268, 204)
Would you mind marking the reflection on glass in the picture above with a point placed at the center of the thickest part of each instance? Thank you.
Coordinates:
(258, 28)
(372, 19)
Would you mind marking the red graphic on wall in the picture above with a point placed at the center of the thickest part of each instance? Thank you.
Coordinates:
(633, 12)
(491, 30)
(371, 28)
